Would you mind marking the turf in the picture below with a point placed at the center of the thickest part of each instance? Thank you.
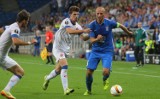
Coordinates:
(140, 83)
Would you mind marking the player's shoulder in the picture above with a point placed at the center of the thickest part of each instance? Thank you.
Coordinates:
(14, 27)
(108, 20)
(92, 22)
(66, 21)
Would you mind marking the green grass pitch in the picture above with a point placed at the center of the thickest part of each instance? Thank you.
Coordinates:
(141, 83)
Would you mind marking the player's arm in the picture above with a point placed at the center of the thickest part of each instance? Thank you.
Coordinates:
(74, 31)
(97, 39)
(18, 41)
(124, 28)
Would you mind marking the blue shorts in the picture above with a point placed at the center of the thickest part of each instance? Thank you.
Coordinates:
(95, 57)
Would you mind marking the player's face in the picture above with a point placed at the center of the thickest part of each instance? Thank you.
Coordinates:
(100, 14)
(74, 16)
(25, 23)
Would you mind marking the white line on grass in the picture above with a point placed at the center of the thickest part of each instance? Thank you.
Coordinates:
(153, 76)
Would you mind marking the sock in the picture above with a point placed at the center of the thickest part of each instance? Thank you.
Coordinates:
(64, 77)
(12, 82)
(53, 74)
(89, 80)
(105, 77)
(51, 59)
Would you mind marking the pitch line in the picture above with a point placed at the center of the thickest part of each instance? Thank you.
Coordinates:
(80, 68)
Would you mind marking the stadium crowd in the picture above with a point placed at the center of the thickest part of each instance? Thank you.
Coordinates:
(127, 12)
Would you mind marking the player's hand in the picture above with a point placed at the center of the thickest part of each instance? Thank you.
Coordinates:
(99, 37)
(88, 30)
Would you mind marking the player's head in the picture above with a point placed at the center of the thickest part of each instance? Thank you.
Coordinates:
(100, 11)
(23, 18)
(74, 13)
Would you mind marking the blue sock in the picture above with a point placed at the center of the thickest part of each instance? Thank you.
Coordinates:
(89, 80)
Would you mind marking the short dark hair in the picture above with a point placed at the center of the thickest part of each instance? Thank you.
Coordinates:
(23, 15)
(73, 8)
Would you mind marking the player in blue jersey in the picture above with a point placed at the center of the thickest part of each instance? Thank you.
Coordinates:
(101, 38)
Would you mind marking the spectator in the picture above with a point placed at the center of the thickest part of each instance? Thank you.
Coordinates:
(156, 40)
(149, 45)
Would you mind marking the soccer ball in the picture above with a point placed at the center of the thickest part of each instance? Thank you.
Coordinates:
(84, 36)
(116, 90)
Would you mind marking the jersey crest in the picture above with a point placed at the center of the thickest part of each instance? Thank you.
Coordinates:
(107, 28)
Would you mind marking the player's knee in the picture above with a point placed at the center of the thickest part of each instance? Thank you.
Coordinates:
(106, 72)
(90, 72)
(20, 72)
(57, 72)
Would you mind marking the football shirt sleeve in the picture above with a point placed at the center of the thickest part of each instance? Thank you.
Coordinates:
(114, 24)
(91, 34)
(15, 32)
(65, 23)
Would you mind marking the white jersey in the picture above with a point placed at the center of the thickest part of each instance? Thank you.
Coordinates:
(6, 39)
(62, 40)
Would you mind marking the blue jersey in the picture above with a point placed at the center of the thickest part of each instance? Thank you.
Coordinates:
(104, 29)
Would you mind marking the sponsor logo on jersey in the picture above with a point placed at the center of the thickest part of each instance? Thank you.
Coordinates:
(66, 22)
(16, 31)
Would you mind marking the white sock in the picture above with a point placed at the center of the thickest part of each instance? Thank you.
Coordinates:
(13, 81)
(52, 75)
(64, 79)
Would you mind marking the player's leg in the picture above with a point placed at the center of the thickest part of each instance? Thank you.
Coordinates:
(106, 73)
(52, 75)
(18, 72)
(89, 80)
(64, 76)
(91, 66)
(107, 64)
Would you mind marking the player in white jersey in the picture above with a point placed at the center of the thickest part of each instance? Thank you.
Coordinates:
(61, 48)
(11, 36)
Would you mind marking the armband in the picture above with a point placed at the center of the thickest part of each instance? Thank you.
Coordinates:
(118, 24)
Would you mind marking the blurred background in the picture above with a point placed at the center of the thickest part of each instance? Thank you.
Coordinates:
(126, 12)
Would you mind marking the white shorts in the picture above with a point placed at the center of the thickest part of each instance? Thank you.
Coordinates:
(58, 55)
(7, 62)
